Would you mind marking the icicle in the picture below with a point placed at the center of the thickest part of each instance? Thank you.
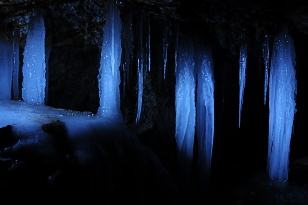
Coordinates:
(140, 88)
(127, 38)
(34, 66)
(6, 67)
(109, 73)
(282, 92)
(242, 77)
(148, 44)
(185, 108)
(165, 46)
(266, 55)
(15, 79)
(140, 64)
(204, 113)
(176, 46)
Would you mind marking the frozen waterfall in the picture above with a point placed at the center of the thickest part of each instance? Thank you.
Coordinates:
(34, 65)
(282, 92)
(109, 71)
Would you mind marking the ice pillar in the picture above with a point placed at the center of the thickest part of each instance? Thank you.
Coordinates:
(109, 71)
(34, 66)
(185, 108)
(282, 93)
(6, 69)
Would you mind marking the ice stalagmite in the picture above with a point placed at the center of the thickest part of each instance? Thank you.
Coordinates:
(109, 73)
(34, 65)
(242, 78)
(185, 107)
(6, 67)
(204, 113)
(282, 93)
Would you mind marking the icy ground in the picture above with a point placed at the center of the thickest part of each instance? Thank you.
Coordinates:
(49, 154)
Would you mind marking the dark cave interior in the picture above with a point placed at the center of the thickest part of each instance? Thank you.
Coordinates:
(138, 165)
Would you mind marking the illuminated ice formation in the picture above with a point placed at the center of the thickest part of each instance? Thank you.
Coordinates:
(109, 73)
(204, 113)
(266, 55)
(6, 69)
(140, 65)
(185, 107)
(242, 78)
(282, 92)
(34, 65)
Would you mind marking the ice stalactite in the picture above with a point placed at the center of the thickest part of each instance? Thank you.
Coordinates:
(109, 71)
(204, 113)
(148, 43)
(34, 66)
(266, 56)
(185, 107)
(282, 93)
(140, 65)
(127, 41)
(15, 79)
(6, 69)
(165, 46)
(242, 77)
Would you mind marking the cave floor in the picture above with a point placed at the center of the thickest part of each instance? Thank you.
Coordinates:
(231, 189)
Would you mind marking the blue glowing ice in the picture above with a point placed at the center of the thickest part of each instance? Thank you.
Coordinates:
(6, 69)
(266, 55)
(282, 93)
(204, 113)
(15, 77)
(185, 107)
(242, 77)
(165, 47)
(109, 73)
(148, 44)
(140, 65)
(34, 65)
(127, 38)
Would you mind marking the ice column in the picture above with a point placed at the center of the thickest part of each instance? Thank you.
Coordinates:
(242, 78)
(282, 93)
(204, 113)
(6, 67)
(34, 66)
(109, 71)
(185, 108)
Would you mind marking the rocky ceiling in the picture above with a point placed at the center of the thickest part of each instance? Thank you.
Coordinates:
(221, 17)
